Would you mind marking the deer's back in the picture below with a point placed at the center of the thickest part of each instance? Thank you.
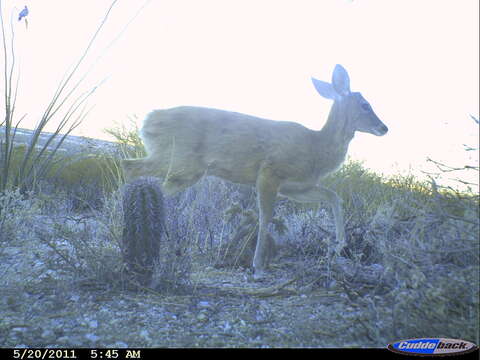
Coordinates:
(228, 144)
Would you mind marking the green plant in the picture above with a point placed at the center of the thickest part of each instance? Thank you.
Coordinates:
(143, 228)
(128, 137)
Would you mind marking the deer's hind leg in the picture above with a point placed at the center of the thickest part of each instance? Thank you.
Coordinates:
(183, 163)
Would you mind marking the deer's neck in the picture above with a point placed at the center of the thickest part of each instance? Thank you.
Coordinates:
(337, 130)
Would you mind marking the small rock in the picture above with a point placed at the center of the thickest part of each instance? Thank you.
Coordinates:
(92, 337)
(203, 304)
(226, 326)
(47, 333)
(121, 344)
(202, 317)
(93, 324)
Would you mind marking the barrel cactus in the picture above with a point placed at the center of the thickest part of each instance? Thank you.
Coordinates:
(144, 226)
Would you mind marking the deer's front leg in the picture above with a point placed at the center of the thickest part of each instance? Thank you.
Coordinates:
(315, 193)
(267, 186)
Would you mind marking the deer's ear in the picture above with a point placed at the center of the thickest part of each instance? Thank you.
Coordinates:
(341, 80)
(325, 89)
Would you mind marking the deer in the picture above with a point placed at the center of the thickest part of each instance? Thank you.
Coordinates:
(278, 158)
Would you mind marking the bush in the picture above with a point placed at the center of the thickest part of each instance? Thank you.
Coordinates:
(86, 181)
(17, 214)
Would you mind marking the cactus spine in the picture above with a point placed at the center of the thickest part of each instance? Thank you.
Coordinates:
(144, 226)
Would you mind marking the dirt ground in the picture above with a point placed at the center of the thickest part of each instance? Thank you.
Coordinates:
(221, 308)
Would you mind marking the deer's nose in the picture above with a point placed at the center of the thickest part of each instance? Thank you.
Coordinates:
(381, 130)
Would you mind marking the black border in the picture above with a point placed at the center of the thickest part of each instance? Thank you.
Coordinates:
(149, 353)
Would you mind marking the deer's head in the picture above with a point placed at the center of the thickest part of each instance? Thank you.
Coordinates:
(359, 115)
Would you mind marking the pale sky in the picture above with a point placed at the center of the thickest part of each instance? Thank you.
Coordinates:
(415, 61)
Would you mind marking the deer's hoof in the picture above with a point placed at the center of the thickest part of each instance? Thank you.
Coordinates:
(259, 275)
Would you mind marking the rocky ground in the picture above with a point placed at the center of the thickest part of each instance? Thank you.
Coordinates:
(44, 306)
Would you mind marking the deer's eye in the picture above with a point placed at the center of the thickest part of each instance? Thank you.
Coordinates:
(366, 107)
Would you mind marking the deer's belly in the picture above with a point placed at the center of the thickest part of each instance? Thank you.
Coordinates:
(234, 172)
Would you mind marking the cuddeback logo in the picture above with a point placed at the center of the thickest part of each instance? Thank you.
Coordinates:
(432, 347)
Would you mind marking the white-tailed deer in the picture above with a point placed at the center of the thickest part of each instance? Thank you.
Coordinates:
(278, 157)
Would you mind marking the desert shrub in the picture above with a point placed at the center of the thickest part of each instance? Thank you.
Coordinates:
(239, 250)
(17, 214)
(84, 179)
(90, 169)
(198, 214)
(128, 138)
(173, 270)
(427, 242)
(78, 247)
(18, 218)
(87, 180)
